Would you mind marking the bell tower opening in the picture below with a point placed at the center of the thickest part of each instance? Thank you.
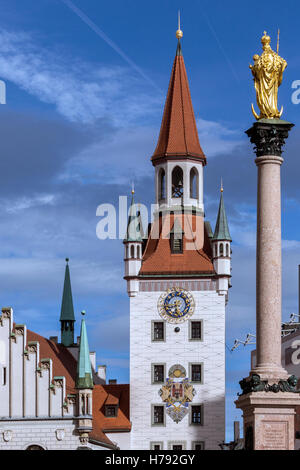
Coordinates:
(177, 182)
(194, 183)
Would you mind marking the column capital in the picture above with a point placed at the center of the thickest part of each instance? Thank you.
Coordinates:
(268, 136)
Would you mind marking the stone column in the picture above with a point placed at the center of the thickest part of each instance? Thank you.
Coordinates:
(268, 254)
(268, 397)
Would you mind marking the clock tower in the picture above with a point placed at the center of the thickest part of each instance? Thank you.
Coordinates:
(177, 282)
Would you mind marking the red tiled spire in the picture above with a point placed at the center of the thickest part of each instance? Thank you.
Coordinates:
(178, 133)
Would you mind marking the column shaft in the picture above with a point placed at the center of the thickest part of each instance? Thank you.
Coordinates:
(268, 267)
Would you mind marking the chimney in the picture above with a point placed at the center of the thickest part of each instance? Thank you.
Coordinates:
(236, 430)
(102, 373)
(54, 339)
(93, 359)
(112, 381)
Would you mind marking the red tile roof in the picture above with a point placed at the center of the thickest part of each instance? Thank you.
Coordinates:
(117, 394)
(196, 257)
(178, 133)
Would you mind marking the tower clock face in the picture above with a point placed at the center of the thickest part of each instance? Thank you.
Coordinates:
(176, 305)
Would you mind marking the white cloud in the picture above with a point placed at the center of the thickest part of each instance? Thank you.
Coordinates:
(23, 203)
(215, 138)
(121, 158)
(80, 91)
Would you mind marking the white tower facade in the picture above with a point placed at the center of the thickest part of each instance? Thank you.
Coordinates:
(177, 305)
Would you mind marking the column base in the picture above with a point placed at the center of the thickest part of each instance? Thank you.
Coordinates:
(269, 420)
(270, 373)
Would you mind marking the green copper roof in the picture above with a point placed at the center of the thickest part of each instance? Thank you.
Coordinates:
(222, 230)
(67, 310)
(208, 229)
(134, 231)
(84, 378)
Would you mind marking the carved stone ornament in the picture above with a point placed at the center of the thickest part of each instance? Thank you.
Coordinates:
(84, 438)
(45, 365)
(19, 330)
(7, 435)
(60, 434)
(6, 312)
(32, 348)
(255, 384)
(71, 400)
(268, 136)
(58, 383)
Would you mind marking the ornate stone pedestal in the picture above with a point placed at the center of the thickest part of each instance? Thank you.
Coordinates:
(269, 397)
(269, 420)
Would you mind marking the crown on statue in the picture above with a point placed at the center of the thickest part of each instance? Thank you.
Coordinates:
(265, 39)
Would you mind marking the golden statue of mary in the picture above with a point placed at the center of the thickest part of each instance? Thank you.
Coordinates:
(267, 71)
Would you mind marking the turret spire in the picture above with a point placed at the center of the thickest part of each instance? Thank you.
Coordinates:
(84, 378)
(134, 227)
(222, 230)
(67, 318)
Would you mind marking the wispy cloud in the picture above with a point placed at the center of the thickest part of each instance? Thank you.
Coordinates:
(216, 138)
(81, 92)
(23, 203)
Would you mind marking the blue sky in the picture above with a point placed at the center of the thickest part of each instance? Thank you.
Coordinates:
(81, 122)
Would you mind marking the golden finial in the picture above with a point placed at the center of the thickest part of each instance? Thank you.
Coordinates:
(222, 189)
(179, 33)
(132, 188)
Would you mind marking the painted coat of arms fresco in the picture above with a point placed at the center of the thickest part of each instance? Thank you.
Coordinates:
(177, 393)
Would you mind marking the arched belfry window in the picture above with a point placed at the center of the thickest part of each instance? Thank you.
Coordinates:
(177, 182)
(193, 183)
(227, 250)
(162, 184)
(132, 251)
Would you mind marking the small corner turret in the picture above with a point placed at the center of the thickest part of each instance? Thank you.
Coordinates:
(133, 243)
(221, 247)
(84, 384)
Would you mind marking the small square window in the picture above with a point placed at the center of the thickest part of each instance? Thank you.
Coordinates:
(111, 411)
(177, 445)
(196, 414)
(196, 372)
(195, 330)
(158, 374)
(158, 414)
(156, 445)
(158, 332)
(198, 445)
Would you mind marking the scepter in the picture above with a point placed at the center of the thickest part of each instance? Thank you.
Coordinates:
(278, 40)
